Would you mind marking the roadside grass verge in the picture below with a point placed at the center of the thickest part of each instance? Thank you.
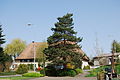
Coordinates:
(15, 78)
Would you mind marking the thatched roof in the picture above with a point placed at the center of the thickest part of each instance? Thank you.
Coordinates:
(28, 53)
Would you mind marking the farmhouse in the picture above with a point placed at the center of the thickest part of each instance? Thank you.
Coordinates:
(28, 55)
(105, 59)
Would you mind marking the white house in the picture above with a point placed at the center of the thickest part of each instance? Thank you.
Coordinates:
(105, 58)
(28, 55)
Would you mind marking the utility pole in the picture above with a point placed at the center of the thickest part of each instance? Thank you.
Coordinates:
(113, 51)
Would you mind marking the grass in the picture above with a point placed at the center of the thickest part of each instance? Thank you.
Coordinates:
(115, 79)
(33, 74)
(15, 78)
(94, 72)
(7, 73)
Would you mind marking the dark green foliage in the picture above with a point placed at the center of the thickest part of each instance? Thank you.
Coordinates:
(2, 40)
(33, 74)
(23, 68)
(2, 56)
(42, 71)
(77, 59)
(115, 46)
(3, 59)
(67, 72)
(117, 69)
(59, 51)
(50, 70)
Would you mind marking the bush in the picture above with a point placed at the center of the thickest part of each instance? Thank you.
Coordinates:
(50, 71)
(71, 73)
(30, 66)
(86, 67)
(33, 74)
(78, 70)
(42, 71)
(22, 69)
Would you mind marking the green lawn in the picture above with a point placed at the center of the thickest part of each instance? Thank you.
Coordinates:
(115, 79)
(7, 73)
(16, 78)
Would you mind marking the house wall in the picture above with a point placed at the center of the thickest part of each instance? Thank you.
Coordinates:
(119, 56)
(96, 62)
(16, 64)
(84, 63)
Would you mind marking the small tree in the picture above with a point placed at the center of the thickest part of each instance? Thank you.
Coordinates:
(15, 47)
(23, 68)
(62, 43)
(115, 46)
(39, 54)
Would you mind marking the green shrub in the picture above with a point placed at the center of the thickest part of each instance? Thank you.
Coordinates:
(67, 72)
(86, 67)
(78, 70)
(22, 69)
(30, 66)
(42, 71)
(71, 73)
(33, 74)
(50, 71)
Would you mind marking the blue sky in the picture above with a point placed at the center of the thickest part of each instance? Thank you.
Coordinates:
(92, 18)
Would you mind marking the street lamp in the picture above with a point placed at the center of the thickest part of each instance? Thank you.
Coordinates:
(34, 51)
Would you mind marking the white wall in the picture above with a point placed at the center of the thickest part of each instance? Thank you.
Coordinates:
(84, 63)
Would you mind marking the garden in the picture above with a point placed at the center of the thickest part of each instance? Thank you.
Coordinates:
(49, 71)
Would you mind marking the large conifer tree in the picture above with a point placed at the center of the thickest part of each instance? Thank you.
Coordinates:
(63, 41)
(3, 57)
(2, 40)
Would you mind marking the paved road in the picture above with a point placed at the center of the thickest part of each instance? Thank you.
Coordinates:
(78, 77)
